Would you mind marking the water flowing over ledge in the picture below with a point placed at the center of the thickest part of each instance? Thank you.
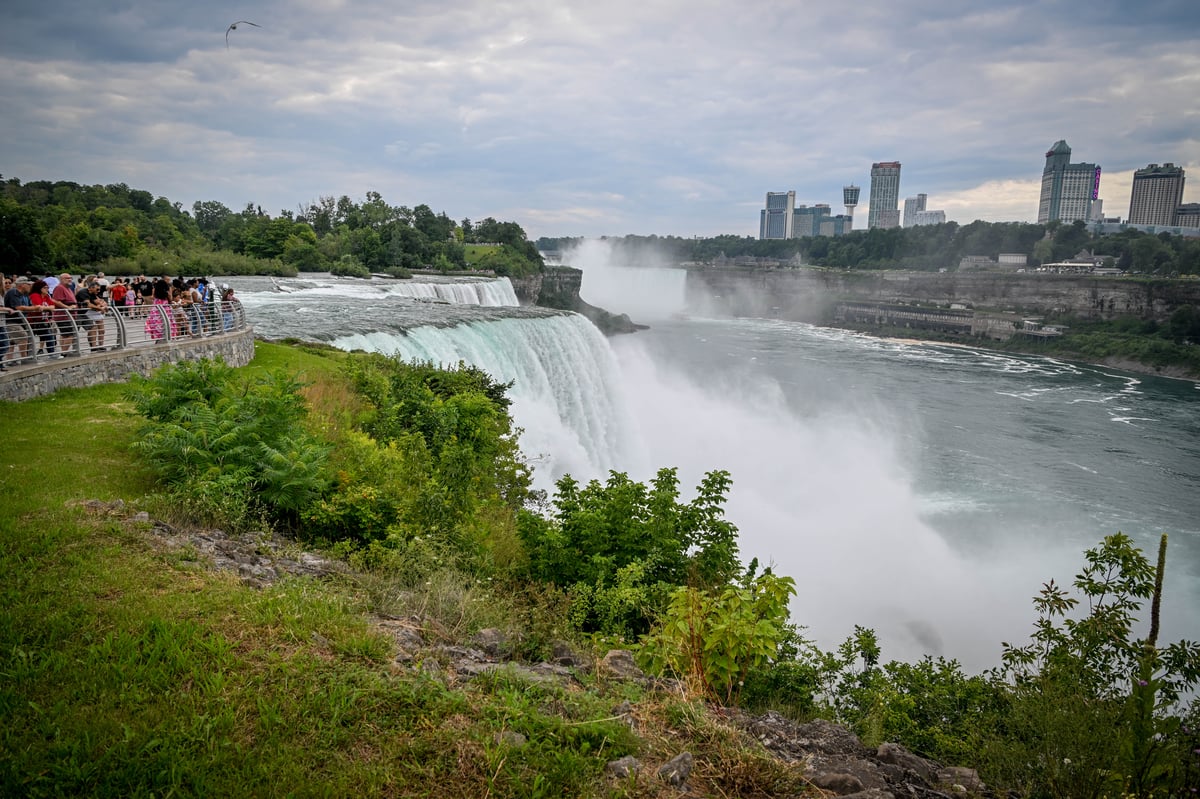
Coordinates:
(489, 292)
(566, 394)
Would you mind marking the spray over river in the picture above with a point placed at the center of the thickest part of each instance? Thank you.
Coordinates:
(924, 490)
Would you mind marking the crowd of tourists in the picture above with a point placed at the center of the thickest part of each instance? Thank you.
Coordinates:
(43, 317)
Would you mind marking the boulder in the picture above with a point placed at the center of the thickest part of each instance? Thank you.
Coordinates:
(619, 663)
(675, 772)
(966, 778)
(897, 755)
(841, 784)
(622, 768)
(493, 642)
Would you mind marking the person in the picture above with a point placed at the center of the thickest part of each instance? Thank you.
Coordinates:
(64, 300)
(117, 293)
(185, 302)
(20, 309)
(3, 330)
(227, 306)
(93, 308)
(161, 292)
(43, 326)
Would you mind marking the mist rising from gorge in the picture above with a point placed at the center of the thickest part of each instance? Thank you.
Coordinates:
(822, 490)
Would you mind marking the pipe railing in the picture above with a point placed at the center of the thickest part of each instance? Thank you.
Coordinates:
(72, 333)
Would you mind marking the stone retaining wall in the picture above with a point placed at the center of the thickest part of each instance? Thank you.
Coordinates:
(236, 348)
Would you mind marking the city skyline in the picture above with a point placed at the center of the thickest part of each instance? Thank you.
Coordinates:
(613, 119)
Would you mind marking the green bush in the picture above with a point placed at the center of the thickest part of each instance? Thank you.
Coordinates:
(715, 638)
(621, 547)
(349, 266)
(210, 432)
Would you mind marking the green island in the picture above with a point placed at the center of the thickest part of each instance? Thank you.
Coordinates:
(327, 574)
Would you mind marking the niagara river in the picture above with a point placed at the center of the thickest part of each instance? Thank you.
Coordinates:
(926, 491)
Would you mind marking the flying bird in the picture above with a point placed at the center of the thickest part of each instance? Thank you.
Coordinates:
(233, 27)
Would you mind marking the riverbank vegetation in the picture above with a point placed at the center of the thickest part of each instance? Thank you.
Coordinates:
(129, 669)
(53, 226)
(1171, 349)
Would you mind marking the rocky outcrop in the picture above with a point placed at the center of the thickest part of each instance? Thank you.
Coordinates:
(838, 762)
(558, 287)
(256, 560)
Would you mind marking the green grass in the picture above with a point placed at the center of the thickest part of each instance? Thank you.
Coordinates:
(130, 669)
(474, 252)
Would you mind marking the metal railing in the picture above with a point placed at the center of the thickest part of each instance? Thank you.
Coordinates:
(73, 333)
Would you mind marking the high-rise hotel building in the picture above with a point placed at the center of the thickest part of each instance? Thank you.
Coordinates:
(884, 210)
(1157, 195)
(1068, 190)
(775, 221)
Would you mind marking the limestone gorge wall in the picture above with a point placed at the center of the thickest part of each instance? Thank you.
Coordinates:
(812, 295)
(558, 287)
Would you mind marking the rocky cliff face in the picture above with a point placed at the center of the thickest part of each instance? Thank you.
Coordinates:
(558, 287)
(810, 295)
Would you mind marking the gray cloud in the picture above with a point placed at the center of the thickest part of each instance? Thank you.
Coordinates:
(670, 117)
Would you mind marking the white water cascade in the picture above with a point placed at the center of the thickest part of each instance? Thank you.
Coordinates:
(489, 292)
(567, 392)
(492, 293)
(823, 433)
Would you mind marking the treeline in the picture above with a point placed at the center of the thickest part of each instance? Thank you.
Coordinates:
(927, 247)
(49, 226)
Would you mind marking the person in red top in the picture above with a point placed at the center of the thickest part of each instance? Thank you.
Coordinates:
(43, 326)
(117, 293)
(64, 297)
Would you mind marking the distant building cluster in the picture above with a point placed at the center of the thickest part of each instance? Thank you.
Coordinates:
(1070, 192)
(916, 214)
(781, 218)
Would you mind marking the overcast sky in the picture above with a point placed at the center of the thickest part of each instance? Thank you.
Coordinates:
(613, 117)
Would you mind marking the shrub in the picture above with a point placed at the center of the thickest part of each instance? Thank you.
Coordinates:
(210, 433)
(621, 547)
(715, 638)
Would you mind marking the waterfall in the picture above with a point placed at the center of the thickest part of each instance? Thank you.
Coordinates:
(482, 291)
(567, 392)
(471, 292)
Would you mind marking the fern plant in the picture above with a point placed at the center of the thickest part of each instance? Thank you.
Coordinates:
(209, 432)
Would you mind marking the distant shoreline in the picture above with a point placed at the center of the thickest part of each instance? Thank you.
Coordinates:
(1122, 364)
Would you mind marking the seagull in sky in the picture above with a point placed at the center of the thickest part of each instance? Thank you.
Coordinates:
(233, 27)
